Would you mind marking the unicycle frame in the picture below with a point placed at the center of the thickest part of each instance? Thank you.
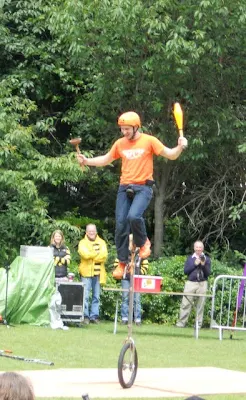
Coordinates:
(129, 342)
(134, 264)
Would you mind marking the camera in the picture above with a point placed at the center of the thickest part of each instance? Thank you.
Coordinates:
(130, 192)
(202, 257)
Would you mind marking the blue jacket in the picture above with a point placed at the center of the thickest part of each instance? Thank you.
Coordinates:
(197, 273)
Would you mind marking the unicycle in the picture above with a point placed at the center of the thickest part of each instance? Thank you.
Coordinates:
(128, 358)
(128, 364)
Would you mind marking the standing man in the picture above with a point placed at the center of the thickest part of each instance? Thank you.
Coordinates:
(93, 252)
(135, 191)
(198, 269)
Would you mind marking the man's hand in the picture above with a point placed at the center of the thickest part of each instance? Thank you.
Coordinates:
(82, 160)
(183, 142)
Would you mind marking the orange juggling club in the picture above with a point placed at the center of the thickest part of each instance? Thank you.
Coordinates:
(178, 115)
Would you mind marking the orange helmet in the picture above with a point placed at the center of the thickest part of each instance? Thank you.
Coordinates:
(129, 118)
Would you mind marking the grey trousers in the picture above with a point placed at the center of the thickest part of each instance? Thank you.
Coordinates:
(188, 302)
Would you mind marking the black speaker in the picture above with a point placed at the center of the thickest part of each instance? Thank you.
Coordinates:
(72, 307)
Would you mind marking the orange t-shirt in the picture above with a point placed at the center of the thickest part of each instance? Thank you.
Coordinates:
(137, 158)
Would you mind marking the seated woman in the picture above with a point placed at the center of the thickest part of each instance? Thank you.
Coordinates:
(62, 256)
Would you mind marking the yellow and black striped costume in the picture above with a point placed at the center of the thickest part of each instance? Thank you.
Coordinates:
(93, 256)
(143, 268)
(62, 259)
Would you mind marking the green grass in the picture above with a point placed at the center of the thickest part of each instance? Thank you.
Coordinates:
(95, 346)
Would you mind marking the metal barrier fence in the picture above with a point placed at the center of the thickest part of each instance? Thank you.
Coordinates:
(228, 304)
(228, 310)
(190, 297)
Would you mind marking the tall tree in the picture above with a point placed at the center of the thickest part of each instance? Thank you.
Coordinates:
(29, 158)
(73, 66)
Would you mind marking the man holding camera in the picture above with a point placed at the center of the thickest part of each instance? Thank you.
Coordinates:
(197, 268)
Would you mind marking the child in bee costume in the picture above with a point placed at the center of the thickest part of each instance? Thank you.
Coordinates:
(125, 284)
(62, 260)
(61, 255)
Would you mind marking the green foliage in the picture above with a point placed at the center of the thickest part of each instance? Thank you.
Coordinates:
(162, 308)
(174, 237)
(24, 217)
(238, 211)
(109, 298)
(82, 221)
(70, 68)
(24, 142)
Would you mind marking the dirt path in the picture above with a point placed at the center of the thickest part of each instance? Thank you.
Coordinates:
(154, 382)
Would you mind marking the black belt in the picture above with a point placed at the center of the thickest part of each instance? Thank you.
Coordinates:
(131, 192)
(149, 182)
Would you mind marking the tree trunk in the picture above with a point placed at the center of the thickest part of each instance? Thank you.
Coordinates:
(159, 217)
(161, 178)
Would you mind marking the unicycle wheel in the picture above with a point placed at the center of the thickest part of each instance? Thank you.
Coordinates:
(127, 365)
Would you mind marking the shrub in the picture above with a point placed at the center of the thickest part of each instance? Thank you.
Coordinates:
(164, 309)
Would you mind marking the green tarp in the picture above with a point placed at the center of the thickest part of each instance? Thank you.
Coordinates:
(30, 287)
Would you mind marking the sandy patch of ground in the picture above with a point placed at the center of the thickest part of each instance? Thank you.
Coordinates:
(154, 382)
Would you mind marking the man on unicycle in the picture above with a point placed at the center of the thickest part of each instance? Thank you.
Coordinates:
(136, 149)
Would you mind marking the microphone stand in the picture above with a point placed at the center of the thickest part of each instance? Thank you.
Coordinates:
(5, 322)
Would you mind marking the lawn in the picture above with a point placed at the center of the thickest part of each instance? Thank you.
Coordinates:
(95, 346)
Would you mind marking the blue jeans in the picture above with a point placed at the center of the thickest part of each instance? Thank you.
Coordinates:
(129, 218)
(125, 284)
(94, 284)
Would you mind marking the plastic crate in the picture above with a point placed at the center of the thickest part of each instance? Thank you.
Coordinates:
(147, 283)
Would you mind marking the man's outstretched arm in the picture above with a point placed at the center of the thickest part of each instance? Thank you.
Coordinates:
(99, 161)
(174, 153)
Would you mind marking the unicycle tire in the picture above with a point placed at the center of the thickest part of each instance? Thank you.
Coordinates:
(127, 365)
